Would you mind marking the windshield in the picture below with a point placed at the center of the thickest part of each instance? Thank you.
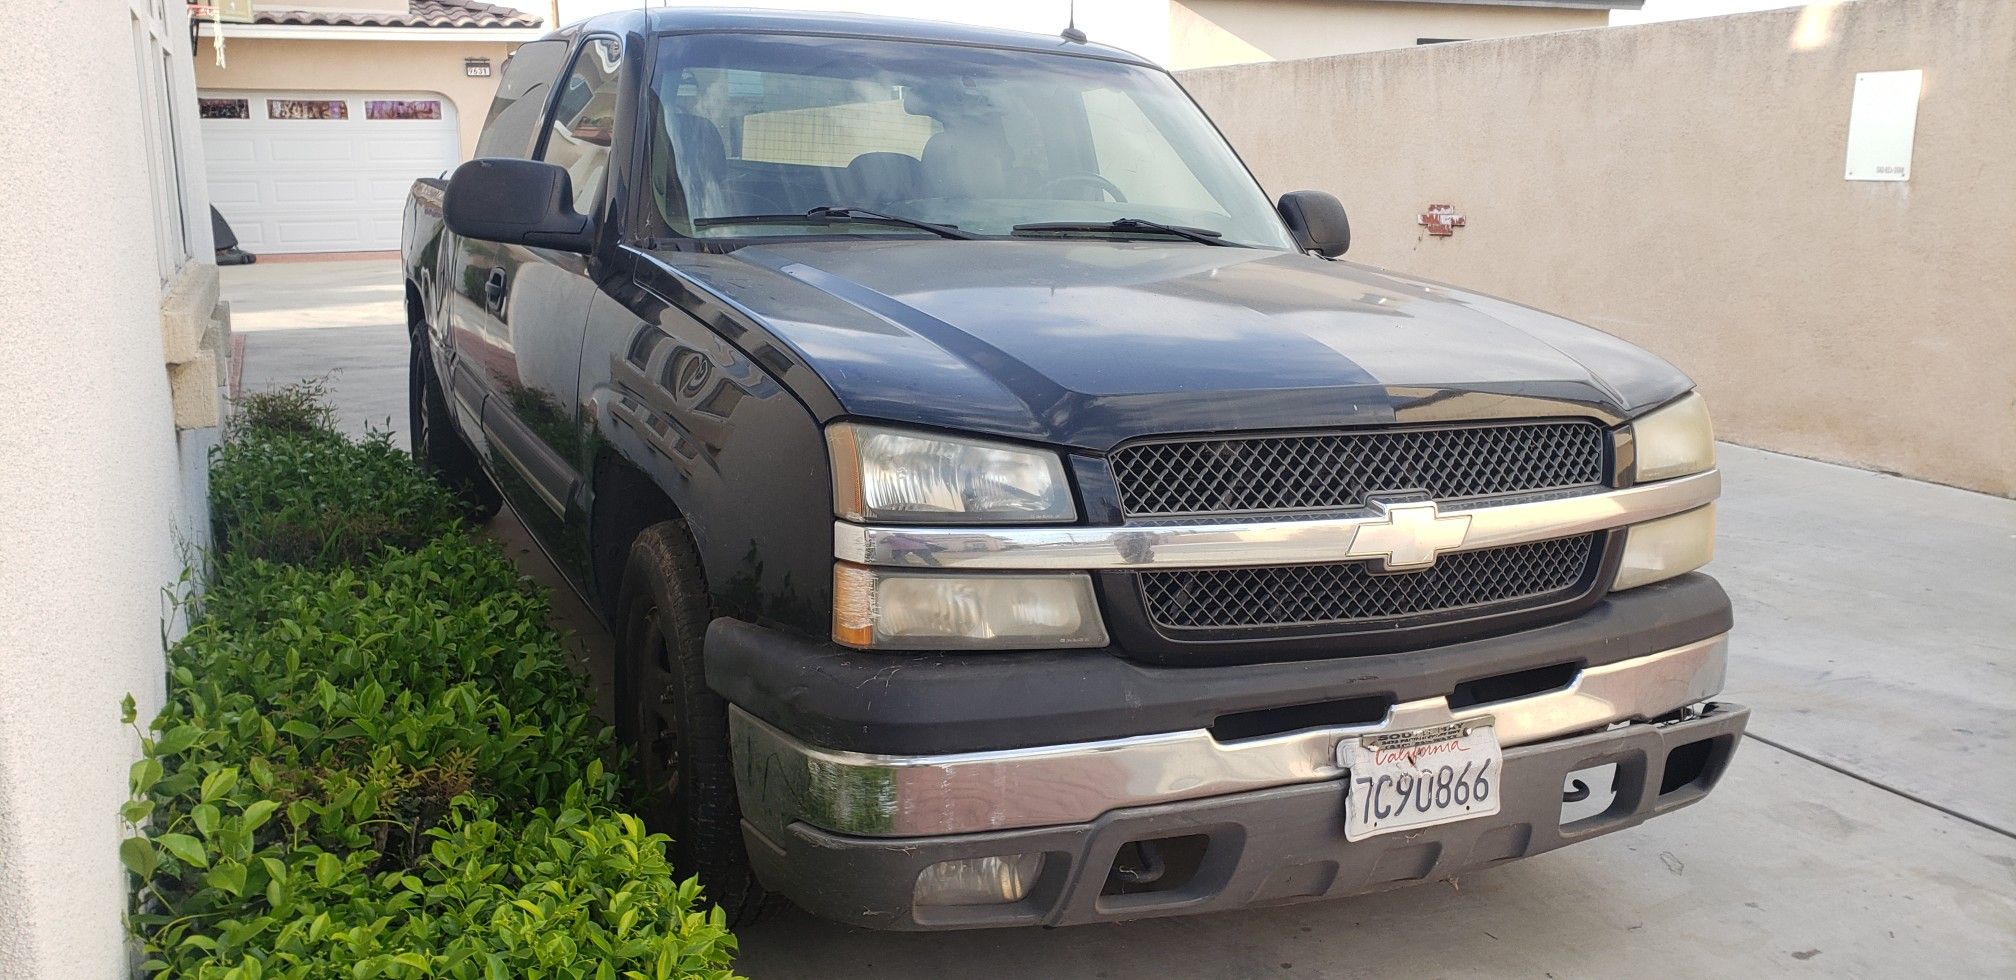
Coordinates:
(770, 127)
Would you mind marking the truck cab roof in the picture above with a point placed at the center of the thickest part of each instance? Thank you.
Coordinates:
(700, 20)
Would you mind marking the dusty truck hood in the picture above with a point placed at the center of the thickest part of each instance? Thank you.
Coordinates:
(1089, 343)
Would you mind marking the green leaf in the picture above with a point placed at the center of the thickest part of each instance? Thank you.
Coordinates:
(258, 813)
(144, 774)
(371, 698)
(136, 811)
(139, 856)
(177, 740)
(327, 869)
(186, 849)
(129, 711)
(219, 783)
(206, 818)
(227, 876)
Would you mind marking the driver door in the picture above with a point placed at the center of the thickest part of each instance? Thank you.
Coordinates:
(534, 306)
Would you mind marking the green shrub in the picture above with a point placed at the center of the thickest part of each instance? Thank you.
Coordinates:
(420, 657)
(374, 760)
(319, 499)
(575, 891)
(298, 409)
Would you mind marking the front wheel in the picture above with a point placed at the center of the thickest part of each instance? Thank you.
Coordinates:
(436, 445)
(676, 727)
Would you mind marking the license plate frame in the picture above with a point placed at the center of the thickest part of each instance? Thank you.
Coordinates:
(1380, 764)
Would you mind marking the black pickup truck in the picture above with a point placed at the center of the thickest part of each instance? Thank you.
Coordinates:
(1006, 515)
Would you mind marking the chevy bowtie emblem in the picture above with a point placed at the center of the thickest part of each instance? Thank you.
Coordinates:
(1409, 536)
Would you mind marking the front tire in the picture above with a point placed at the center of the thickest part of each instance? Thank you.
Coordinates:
(437, 446)
(676, 727)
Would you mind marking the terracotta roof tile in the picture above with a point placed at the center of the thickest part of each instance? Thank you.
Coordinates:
(419, 13)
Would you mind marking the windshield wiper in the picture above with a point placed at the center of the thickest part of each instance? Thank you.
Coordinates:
(1203, 235)
(827, 212)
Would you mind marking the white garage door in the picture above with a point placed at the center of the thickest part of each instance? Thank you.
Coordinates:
(321, 171)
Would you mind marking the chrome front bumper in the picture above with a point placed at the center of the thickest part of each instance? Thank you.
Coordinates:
(782, 780)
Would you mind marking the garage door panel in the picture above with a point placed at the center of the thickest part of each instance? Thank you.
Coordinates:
(403, 150)
(389, 189)
(252, 236)
(228, 149)
(313, 185)
(386, 228)
(282, 149)
(234, 191)
(314, 191)
(321, 236)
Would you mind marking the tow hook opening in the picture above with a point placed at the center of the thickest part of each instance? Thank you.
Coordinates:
(1157, 864)
(1588, 793)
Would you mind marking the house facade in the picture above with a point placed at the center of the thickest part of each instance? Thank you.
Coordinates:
(318, 115)
(109, 404)
(1207, 33)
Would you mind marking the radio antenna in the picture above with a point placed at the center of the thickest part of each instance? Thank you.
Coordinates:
(1071, 31)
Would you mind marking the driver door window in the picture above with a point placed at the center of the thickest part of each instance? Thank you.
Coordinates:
(584, 120)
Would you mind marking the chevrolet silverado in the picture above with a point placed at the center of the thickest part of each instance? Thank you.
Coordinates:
(1007, 515)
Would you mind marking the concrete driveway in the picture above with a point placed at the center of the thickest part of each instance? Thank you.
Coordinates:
(1867, 827)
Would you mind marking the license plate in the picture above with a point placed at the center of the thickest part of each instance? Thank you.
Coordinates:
(1420, 777)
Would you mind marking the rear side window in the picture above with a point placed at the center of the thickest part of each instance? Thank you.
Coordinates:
(513, 122)
(584, 119)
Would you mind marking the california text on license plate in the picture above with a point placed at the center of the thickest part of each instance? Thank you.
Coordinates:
(1420, 777)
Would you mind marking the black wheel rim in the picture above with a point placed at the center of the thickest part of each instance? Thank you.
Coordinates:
(655, 728)
(660, 728)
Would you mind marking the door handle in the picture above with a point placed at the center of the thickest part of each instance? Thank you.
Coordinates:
(493, 289)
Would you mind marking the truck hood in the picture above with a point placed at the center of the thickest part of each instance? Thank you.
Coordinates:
(1089, 343)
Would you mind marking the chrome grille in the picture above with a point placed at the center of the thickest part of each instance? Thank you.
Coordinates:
(1492, 580)
(1339, 470)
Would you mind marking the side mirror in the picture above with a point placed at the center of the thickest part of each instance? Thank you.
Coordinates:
(517, 202)
(1317, 221)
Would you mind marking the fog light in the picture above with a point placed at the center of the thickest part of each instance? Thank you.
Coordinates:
(885, 610)
(1658, 550)
(995, 880)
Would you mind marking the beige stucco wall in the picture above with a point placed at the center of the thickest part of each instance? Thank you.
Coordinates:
(1680, 185)
(1204, 33)
(362, 66)
(102, 498)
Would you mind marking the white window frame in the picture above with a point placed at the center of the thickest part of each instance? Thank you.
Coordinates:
(159, 25)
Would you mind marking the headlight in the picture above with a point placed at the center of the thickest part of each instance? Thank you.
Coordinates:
(1674, 441)
(889, 610)
(1658, 550)
(899, 476)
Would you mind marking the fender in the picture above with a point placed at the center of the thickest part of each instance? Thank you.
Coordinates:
(734, 451)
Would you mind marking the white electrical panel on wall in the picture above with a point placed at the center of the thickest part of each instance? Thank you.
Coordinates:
(1882, 121)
